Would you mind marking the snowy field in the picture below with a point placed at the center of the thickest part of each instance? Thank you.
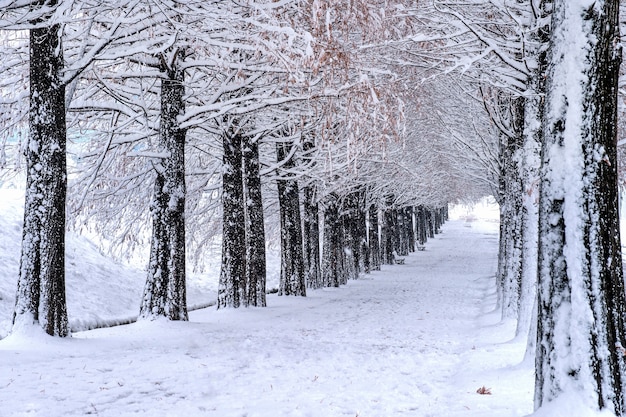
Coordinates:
(411, 340)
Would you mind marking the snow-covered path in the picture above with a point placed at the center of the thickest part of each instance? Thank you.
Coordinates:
(415, 339)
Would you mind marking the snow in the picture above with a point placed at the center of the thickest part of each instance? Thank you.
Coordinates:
(417, 339)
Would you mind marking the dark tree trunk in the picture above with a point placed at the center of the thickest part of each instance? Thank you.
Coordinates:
(311, 222)
(165, 289)
(256, 274)
(430, 218)
(353, 220)
(422, 226)
(581, 301)
(410, 220)
(374, 239)
(333, 253)
(41, 285)
(311, 239)
(232, 285)
(292, 281)
(511, 204)
(405, 231)
(389, 236)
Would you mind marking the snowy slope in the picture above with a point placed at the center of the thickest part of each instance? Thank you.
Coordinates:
(99, 290)
(417, 339)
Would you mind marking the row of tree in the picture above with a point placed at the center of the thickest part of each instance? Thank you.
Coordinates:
(343, 122)
(548, 74)
(226, 110)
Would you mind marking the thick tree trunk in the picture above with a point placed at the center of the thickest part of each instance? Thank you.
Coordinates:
(389, 230)
(165, 289)
(374, 239)
(430, 223)
(512, 203)
(533, 120)
(353, 220)
(403, 235)
(311, 229)
(232, 284)
(41, 285)
(311, 222)
(422, 226)
(256, 274)
(333, 253)
(292, 281)
(581, 308)
(411, 230)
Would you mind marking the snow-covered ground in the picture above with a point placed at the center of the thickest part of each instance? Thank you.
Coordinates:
(417, 339)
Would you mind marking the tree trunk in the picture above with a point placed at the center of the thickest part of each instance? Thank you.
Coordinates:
(374, 239)
(332, 254)
(533, 120)
(232, 285)
(165, 289)
(353, 221)
(422, 226)
(389, 229)
(581, 339)
(292, 280)
(410, 216)
(310, 221)
(256, 274)
(41, 285)
(512, 204)
(311, 239)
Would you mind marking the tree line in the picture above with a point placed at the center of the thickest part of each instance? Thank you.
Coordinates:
(352, 124)
(185, 116)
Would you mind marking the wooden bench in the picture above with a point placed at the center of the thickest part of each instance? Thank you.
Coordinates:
(420, 248)
(399, 261)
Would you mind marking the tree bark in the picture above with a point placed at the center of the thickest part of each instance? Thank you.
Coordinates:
(389, 229)
(422, 226)
(581, 298)
(311, 229)
(41, 285)
(292, 281)
(374, 238)
(512, 206)
(232, 284)
(256, 274)
(333, 254)
(165, 289)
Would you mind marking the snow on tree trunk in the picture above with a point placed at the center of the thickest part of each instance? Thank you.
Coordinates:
(353, 220)
(311, 223)
(430, 223)
(403, 235)
(580, 284)
(41, 285)
(411, 231)
(165, 289)
(311, 230)
(256, 274)
(389, 229)
(374, 239)
(292, 281)
(422, 225)
(232, 285)
(533, 119)
(332, 254)
(511, 203)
